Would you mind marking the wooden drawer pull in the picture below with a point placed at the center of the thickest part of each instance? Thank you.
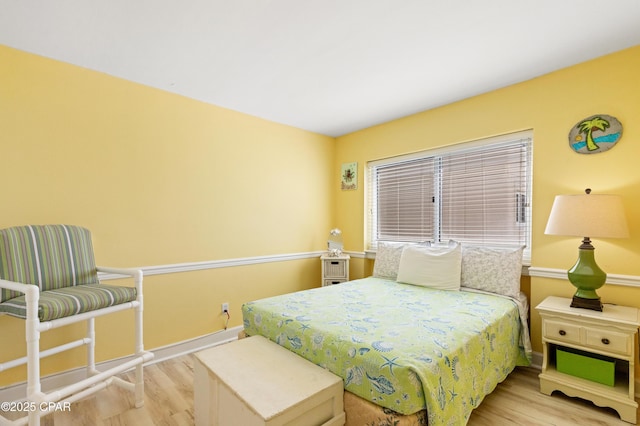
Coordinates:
(605, 341)
(562, 332)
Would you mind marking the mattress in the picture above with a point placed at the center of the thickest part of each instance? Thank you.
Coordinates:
(403, 347)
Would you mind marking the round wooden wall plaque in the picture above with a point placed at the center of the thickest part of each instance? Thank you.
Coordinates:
(595, 134)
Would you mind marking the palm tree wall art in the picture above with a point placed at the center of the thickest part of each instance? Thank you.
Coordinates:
(594, 134)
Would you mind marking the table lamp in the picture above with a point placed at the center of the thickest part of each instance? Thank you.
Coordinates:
(587, 215)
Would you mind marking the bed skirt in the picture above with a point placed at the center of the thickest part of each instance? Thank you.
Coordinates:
(360, 412)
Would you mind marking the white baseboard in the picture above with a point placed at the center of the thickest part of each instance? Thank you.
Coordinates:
(18, 391)
(536, 361)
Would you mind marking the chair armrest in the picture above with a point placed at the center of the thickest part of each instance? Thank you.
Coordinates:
(131, 272)
(31, 296)
(21, 287)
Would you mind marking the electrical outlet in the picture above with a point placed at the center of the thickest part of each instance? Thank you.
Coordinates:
(225, 308)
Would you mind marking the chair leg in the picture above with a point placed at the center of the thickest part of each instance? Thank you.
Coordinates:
(139, 387)
(33, 369)
(139, 379)
(91, 347)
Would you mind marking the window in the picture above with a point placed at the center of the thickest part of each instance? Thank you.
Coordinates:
(476, 193)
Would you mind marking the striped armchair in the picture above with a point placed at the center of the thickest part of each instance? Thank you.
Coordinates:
(48, 277)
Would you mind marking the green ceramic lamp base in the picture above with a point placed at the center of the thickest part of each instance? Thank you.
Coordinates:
(587, 277)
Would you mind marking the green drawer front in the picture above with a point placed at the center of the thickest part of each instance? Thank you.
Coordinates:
(586, 365)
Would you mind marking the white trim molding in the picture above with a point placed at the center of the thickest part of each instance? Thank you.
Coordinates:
(214, 264)
(561, 274)
(225, 263)
(357, 254)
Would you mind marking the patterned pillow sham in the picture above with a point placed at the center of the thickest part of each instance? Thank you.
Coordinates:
(387, 260)
(496, 270)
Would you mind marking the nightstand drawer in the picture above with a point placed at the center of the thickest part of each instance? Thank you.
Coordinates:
(609, 341)
(333, 281)
(335, 268)
(561, 331)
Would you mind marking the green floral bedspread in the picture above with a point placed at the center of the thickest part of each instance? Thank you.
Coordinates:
(400, 346)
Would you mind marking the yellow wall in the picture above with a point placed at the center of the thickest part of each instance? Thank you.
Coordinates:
(162, 179)
(158, 179)
(550, 105)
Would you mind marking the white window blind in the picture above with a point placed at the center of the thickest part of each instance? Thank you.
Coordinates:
(475, 193)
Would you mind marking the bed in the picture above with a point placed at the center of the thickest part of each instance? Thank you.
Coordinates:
(407, 353)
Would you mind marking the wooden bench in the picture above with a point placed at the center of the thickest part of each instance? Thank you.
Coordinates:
(254, 381)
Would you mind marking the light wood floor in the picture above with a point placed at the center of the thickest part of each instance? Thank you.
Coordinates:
(169, 401)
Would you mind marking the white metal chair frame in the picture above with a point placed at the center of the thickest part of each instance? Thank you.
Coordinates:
(95, 380)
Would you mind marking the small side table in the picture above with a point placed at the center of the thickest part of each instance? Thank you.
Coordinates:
(610, 333)
(335, 269)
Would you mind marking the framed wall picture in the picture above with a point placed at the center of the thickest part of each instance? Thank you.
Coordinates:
(349, 176)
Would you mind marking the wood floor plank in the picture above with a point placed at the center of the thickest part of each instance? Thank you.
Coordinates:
(169, 402)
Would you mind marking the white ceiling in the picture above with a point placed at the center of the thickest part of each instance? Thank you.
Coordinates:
(328, 66)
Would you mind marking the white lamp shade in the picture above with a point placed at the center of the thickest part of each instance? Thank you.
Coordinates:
(588, 215)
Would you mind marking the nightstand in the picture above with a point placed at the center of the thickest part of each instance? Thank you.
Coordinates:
(335, 269)
(588, 337)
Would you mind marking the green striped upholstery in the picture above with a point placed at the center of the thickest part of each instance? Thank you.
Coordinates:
(67, 301)
(59, 260)
(49, 256)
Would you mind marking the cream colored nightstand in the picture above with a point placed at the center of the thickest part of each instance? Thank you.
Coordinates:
(610, 333)
(335, 269)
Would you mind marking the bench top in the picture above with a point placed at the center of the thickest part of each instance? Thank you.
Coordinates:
(267, 377)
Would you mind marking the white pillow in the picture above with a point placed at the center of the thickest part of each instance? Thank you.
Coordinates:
(496, 270)
(435, 267)
(387, 260)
